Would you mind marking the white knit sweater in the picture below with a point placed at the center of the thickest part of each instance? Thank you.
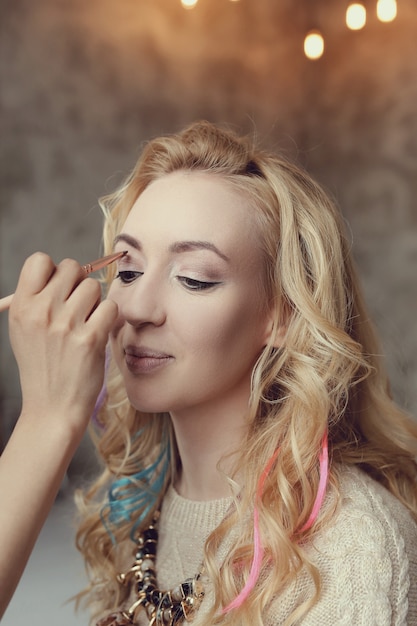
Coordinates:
(367, 559)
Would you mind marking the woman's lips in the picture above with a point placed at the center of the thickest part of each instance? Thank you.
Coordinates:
(145, 360)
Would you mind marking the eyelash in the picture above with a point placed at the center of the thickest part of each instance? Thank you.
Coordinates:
(128, 276)
(196, 285)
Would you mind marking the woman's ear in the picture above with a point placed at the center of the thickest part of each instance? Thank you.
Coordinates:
(276, 335)
(276, 329)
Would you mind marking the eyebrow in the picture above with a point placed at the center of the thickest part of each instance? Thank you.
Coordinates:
(177, 247)
(131, 241)
(189, 246)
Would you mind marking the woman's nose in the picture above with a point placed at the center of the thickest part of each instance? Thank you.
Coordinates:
(143, 302)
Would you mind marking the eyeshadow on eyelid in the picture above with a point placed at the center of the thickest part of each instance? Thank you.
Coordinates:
(202, 270)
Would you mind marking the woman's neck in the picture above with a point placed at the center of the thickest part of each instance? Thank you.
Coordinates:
(206, 445)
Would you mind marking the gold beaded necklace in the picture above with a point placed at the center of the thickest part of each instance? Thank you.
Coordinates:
(162, 608)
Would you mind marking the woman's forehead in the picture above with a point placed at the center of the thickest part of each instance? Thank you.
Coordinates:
(190, 206)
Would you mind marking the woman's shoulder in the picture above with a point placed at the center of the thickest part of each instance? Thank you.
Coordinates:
(371, 521)
(366, 557)
(366, 503)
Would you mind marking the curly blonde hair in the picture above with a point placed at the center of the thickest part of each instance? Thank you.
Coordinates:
(327, 376)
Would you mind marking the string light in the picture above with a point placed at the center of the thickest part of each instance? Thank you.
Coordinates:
(189, 4)
(314, 45)
(355, 16)
(386, 10)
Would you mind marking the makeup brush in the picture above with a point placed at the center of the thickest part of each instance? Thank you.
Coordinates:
(94, 266)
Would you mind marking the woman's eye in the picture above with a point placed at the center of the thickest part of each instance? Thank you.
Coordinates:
(196, 285)
(128, 276)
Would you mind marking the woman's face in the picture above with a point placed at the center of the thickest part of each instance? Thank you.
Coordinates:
(192, 321)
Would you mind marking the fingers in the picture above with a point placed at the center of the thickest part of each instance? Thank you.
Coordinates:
(53, 285)
(35, 274)
(50, 288)
(83, 299)
(40, 275)
(104, 316)
(59, 299)
(87, 310)
(65, 279)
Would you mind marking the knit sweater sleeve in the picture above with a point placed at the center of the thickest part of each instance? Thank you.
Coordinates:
(363, 563)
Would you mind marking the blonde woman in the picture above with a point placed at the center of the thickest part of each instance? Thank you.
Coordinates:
(255, 468)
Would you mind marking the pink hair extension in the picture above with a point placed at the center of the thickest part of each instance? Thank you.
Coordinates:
(324, 475)
(258, 549)
(258, 553)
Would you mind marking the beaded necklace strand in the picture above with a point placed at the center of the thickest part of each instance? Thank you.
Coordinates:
(163, 608)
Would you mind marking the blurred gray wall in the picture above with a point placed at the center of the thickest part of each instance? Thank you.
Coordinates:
(84, 84)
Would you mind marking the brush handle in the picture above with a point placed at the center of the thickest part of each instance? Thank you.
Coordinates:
(5, 302)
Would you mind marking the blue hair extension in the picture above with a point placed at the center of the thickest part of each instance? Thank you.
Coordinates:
(125, 497)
